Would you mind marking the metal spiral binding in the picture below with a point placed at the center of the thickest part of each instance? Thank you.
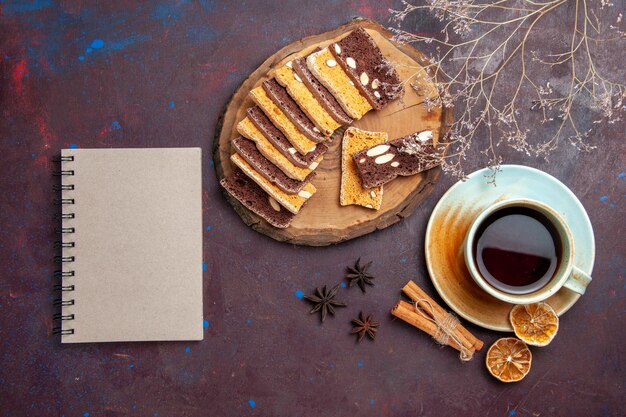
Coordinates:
(69, 187)
(63, 274)
(60, 275)
(60, 244)
(66, 172)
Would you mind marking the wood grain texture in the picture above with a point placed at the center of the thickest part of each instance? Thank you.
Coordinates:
(322, 221)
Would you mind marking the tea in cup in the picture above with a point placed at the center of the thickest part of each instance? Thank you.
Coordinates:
(521, 251)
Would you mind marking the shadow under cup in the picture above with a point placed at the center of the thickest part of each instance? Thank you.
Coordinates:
(520, 250)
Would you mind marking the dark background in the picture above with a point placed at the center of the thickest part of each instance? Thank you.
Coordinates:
(161, 77)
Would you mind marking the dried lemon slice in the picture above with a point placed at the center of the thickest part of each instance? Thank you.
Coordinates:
(535, 324)
(508, 359)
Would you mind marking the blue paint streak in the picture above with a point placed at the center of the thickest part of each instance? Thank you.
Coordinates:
(205, 323)
(85, 414)
(360, 364)
(209, 228)
(89, 50)
(97, 44)
(167, 13)
(199, 34)
(131, 366)
(512, 413)
(115, 125)
(622, 175)
(131, 40)
(251, 403)
(21, 6)
(81, 58)
(372, 402)
(248, 322)
(73, 146)
(187, 349)
(207, 5)
(203, 266)
(343, 285)
(32, 155)
(211, 162)
(604, 198)
(299, 294)
(172, 104)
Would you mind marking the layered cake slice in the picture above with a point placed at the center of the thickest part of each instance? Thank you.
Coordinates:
(324, 67)
(290, 108)
(280, 142)
(374, 76)
(352, 190)
(321, 93)
(248, 130)
(248, 151)
(405, 156)
(292, 202)
(296, 88)
(248, 193)
(299, 141)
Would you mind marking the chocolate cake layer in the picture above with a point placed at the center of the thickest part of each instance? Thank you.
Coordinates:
(248, 130)
(248, 151)
(321, 93)
(306, 100)
(290, 108)
(366, 66)
(248, 193)
(325, 69)
(405, 156)
(292, 202)
(282, 144)
(297, 139)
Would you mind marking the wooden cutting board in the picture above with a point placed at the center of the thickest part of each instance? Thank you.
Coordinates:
(322, 221)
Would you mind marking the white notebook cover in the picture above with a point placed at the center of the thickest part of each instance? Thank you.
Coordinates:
(138, 245)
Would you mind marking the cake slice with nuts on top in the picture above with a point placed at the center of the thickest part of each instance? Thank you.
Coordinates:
(352, 190)
(405, 156)
(265, 127)
(324, 67)
(248, 130)
(300, 142)
(294, 113)
(248, 151)
(299, 91)
(248, 193)
(321, 93)
(292, 202)
(366, 66)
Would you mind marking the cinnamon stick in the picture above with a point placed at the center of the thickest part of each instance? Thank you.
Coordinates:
(415, 293)
(406, 312)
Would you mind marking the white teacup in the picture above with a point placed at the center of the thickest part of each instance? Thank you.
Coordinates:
(566, 274)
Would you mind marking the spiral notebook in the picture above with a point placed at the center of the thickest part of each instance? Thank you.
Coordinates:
(131, 247)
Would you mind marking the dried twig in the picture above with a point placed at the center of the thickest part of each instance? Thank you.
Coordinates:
(484, 59)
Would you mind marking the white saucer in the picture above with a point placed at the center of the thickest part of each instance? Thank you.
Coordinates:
(450, 221)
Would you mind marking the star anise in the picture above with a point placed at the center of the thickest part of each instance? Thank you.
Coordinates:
(358, 275)
(365, 326)
(325, 301)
